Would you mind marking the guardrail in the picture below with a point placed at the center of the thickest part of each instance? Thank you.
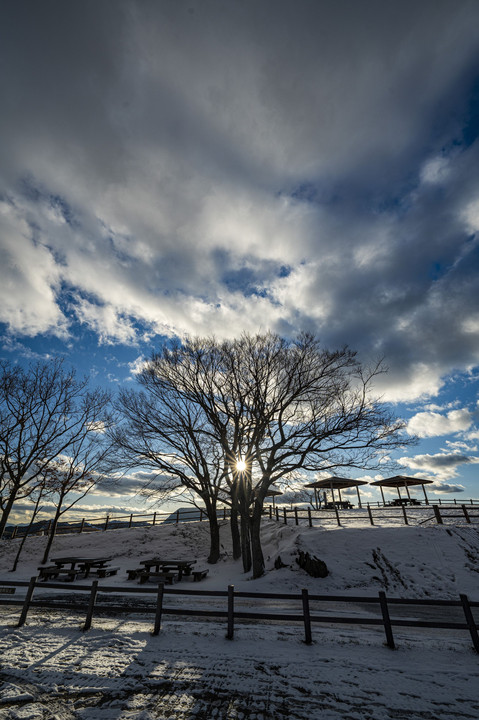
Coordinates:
(302, 601)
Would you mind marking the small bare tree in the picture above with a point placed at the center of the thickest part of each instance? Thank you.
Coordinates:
(44, 411)
(70, 478)
(164, 431)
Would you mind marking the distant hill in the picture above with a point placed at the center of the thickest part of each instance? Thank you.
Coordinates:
(185, 514)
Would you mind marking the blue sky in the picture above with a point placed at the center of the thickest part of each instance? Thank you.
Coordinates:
(195, 168)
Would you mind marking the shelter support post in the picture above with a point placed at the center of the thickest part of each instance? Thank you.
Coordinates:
(359, 496)
(425, 496)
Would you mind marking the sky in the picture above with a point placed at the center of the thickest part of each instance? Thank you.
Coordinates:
(174, 168)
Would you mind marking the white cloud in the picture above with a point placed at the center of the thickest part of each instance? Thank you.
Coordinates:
(30, 279)
(219, 187)
(435, 170)
(433, 424)
(442, 465)
(471, 216)
(138, 365)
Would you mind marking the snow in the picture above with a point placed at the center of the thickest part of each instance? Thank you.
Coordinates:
(118, 670)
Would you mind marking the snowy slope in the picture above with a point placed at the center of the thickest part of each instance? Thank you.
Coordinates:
(117, 670)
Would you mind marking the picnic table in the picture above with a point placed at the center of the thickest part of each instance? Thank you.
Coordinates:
(182, 567)
(340, 504)
(397, 502)
(72, 566)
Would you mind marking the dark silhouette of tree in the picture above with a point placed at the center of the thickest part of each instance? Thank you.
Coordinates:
(164, 431)
(71, 477)
(276, 406)
(45, 411)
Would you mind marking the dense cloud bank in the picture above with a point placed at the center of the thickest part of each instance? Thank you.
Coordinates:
(210, 167)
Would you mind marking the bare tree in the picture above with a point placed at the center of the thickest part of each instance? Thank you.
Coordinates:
(44, 411)
(302, 408)
(266, 408)
(164, 431)
(38, 494)
(69, 478)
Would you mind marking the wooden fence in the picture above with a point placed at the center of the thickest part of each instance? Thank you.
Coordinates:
(307, 615)
(410, 515)
(114, 522)
(466, 512)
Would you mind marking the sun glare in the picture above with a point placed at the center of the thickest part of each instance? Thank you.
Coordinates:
(240, 465)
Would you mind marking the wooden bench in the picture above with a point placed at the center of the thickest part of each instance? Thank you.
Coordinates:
(166, 577)
(42, 568)
(60, 574)
(199, 574)
(7, 590)
(104, 571)
(133, 574)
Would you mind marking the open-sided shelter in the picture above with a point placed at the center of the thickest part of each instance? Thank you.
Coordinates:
(402, 481)
(273, 492)
(336, 483)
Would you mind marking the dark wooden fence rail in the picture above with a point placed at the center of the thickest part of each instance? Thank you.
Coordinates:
(301, 602)
(370, 512)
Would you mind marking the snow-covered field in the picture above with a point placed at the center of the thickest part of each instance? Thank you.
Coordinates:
(118, 670)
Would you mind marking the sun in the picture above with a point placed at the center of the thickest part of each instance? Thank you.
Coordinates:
(240, 465)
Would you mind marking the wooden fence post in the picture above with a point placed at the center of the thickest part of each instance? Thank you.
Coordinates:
(277, 515)
(285, 518)
(177, 517)
(337, 514)
(28, 599)
(370, 515)
(386, 620)
(470, 621)
(91, 605)
(437, 513)
(14, 533)
(201, 515)
(231, 600)
(106, 522)
(466, 514)
(154, 518)
(131, 520)
(159, 609)
(405, 515)
(82, 525)
(308, 638)
(296, 516)
(310, 520)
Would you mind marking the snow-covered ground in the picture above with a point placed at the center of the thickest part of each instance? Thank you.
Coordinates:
(118, 670)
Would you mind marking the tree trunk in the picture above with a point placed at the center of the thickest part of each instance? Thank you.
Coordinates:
(51, 535)
(214, 555)
(256, 549)
(235, 531)
(6, 512)
(27, 532)
(245, 544)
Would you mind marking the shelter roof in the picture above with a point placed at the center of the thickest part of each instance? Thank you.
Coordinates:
(400, 481)
(338, 483)
(273, 491)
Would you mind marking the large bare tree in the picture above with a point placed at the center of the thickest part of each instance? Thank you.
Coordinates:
(272, 407)
(45, 411)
